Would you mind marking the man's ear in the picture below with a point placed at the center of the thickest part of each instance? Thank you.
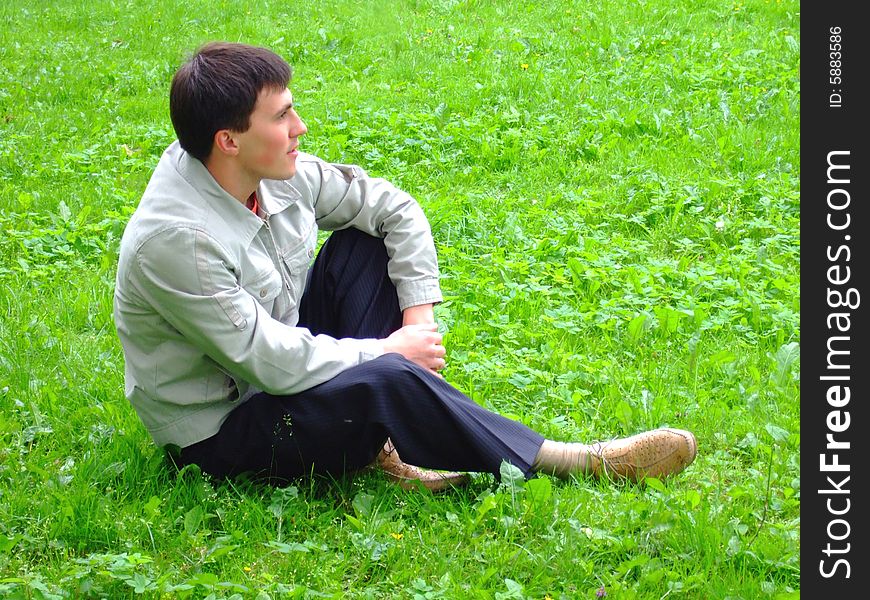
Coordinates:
(225, 142)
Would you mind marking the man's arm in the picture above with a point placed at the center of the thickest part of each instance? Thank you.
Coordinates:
(422, 314)
(188, 278)
(345, 196)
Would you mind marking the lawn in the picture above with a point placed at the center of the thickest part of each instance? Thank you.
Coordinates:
(614, 192)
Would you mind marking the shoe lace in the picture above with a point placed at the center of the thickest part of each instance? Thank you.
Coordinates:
(596, 450)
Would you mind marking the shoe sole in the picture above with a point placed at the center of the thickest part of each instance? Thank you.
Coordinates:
(433, 485)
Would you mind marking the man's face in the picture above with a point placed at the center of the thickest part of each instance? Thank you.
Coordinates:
(268, 149)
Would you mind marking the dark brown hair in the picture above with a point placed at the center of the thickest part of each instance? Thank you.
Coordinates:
(217, 88)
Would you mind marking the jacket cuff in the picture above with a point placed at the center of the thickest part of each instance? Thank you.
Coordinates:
(420, 291)
(370, 349)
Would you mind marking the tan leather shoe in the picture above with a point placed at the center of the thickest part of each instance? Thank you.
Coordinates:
(657, 453)
(408, 476)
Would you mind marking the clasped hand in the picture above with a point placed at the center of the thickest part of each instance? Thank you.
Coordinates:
(419, 343)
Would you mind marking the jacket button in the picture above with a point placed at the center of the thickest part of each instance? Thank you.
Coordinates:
(310, 252)
(263, 292)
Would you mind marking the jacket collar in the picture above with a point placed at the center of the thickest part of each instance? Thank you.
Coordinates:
(275, 195)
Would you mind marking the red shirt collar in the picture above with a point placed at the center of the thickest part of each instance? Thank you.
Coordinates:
(253, 203)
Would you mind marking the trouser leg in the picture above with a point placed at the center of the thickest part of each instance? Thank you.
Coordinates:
(340, 425)
(348, 292)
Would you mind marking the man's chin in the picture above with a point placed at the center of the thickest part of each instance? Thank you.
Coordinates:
(282, 174)
(291, 169)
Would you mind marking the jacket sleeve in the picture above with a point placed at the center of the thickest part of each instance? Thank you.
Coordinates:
(189, 279)
(345, 196)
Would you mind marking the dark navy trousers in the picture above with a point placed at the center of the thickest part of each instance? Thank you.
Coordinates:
(341, 425)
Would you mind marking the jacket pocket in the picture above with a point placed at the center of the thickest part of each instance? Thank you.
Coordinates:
(265, 287)
(297, 258)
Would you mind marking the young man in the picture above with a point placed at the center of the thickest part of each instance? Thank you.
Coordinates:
(248, 360)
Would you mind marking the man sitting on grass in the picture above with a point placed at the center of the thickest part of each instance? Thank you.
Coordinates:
(248, 359)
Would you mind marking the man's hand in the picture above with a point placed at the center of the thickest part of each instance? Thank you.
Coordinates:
(420, 344)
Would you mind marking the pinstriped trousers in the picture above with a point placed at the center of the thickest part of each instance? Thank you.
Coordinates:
(341, 425)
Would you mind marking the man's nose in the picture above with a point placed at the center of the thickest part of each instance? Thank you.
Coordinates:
(300, 129)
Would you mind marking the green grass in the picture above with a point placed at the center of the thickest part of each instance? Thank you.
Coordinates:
(613, 188)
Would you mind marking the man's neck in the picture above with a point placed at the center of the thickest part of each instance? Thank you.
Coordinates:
(237, 184)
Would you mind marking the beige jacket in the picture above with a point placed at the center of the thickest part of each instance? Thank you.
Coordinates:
(206, 293)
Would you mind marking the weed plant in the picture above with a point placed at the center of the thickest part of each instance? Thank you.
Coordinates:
(613, 188)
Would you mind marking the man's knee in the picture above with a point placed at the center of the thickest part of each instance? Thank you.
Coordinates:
(393, 371)
(353, 240)
(389, 364)
(403, 386)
